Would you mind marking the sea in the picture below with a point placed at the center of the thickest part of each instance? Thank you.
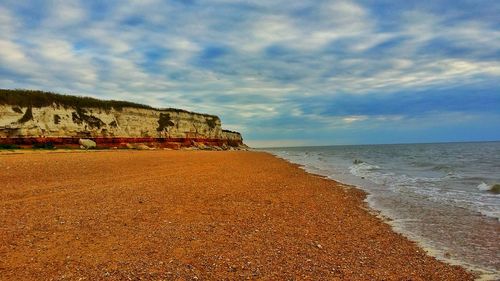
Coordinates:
(439, 195)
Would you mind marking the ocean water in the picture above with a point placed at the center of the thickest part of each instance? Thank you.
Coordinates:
(436, 194)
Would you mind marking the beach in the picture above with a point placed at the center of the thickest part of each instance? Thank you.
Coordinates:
(192, 215)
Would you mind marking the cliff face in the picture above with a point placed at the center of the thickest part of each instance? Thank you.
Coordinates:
(108, 125)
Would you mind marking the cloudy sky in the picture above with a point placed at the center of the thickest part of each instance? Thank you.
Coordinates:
(281, 72)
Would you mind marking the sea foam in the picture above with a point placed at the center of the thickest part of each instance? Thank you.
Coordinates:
(483, 186)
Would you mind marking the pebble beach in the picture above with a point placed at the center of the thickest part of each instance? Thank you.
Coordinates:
(192, 215)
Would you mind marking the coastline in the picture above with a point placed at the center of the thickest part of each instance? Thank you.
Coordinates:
(183, 214)
(437, 250)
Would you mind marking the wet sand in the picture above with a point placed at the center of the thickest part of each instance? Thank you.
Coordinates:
(192, 215)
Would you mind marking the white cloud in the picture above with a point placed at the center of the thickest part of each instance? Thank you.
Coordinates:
(64, 13)
(8, 23)
(270, 30)
(58, 59)
(14, 59)
(334, 20)
(354, 118)
(11, 52)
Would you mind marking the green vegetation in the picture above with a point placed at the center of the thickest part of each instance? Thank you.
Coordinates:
(9, 146)
(28, 98)
(45, 145)
(164, 121)
(229, 131)
(31, 98)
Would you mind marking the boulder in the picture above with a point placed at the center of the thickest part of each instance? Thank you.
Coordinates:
(189, 148)
(139, 146)
(142, 146)
(87, 144)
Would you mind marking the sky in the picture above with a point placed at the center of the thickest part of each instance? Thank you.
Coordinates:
(283, 73)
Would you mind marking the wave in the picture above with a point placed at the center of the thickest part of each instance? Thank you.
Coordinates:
(359, 167)
(442, 168)
(483, 187)
(494, 188)
(433, 188)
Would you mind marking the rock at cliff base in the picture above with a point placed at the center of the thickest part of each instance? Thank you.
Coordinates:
(243, 147)
(201, 146)
(189, 148)
(139, 146)
(87, 144)
(142, 146)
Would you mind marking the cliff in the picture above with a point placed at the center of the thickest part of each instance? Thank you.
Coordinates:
(31, 117)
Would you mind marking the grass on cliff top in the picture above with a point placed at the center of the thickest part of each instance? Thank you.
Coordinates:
(229, 131)
(33, 98)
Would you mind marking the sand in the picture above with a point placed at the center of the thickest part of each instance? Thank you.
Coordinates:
(192, 215)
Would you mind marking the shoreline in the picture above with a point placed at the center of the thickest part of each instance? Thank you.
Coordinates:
(255, 216)
(481, 274)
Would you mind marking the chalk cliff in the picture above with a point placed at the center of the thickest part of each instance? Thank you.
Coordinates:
(30, 117)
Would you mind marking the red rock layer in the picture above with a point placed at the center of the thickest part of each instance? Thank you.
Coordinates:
(120, 142)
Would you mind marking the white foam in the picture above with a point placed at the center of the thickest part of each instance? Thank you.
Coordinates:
(483, 186)
(363, 169)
